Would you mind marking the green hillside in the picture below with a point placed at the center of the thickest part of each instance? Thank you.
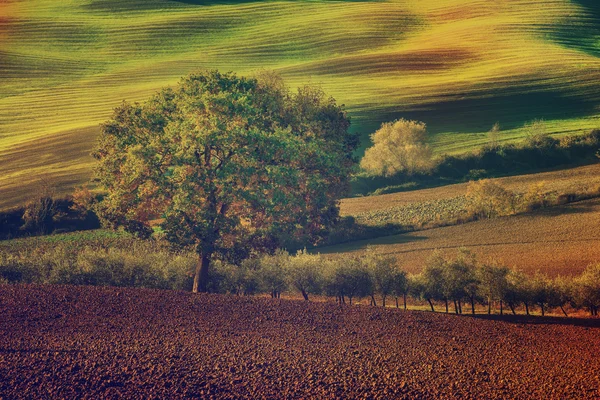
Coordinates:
(460, 66)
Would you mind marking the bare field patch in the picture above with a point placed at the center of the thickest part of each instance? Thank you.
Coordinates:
(94, 342)
(559, 240)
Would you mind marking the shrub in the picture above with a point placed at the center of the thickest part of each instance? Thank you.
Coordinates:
(488, 199)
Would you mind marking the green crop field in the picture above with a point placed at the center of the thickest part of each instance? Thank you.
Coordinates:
(460, 66)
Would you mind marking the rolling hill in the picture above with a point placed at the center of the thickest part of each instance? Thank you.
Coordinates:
(458, 65)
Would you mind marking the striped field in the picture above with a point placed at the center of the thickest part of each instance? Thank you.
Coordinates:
(458, 65)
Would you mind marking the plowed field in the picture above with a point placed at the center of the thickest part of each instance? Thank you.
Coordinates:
(84, 342)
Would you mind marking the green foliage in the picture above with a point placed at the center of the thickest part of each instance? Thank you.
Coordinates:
(230, 164)
(493, 282)
(385, 276)
(587, 289)
(304, 273)
(272, 274)
(349, 277)
(140, 265)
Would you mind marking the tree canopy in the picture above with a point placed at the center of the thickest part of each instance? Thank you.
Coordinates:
(398, 147)
(226, 164)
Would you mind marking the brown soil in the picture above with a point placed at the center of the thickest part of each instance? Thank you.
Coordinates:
(67, 342)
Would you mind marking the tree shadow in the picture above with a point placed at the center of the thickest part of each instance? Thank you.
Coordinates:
(539, 320)
(585, 206)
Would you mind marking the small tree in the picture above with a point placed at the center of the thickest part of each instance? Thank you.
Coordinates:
(517, 290)
(587, 289)
(40, 211)
(434, 285)
(303, 271)
(398, 147)
(494, 137)
(401, 286)
(461, 280)
(562, 293)
(383, 274)
(349, 278)
(537, 136)
(493, 284)
(272, 273)
(488, 199)
(541, 291)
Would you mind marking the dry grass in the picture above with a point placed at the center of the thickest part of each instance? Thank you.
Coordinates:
(458, 65)
(560, 240)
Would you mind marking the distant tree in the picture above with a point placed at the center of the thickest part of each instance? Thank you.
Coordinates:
(398, 147)
(383, 272)
(272, 275)
(304, 274)
(517, 290)
(537, 136)
(40, 210)
(488, 199)
(228, 164)
(433, 281)
(401, 286)
(562, 293)
(494, 137)
(542, 292)
(493, 284)
(461, 279)
(349, 278)
(587, 289)
(239, 279)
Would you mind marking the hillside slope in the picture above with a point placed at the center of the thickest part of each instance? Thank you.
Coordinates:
(557, 241)
(458, 65)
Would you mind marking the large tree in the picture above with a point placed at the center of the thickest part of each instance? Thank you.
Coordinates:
(226, 164)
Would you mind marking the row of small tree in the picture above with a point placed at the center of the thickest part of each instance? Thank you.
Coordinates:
(459, 283)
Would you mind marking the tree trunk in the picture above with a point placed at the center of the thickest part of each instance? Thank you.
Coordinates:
(473, 305)
(404, 298)
(563, 310)
(373, 300)
(501, 309)
(455, 308)
(383, 301)
(430, 304)
(489, 306)
(397, 306)
(446, 300)
(512, 308)
(542, 308)
(459, 307)
(350, 300)
(304, 294)
(201, 275)
(526, 308)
